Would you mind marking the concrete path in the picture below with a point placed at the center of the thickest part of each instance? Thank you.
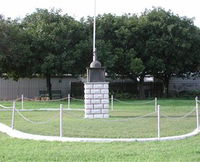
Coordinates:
(21, 135)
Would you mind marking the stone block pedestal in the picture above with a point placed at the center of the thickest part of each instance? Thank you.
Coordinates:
(96, 100)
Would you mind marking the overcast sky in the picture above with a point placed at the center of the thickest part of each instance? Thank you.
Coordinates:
(83, 8)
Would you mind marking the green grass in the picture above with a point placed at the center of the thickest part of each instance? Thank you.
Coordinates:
(13, 150)
(121, 124)
(44, 104)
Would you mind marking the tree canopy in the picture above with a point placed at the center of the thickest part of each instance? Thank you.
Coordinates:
(52, 39)
(47, 43)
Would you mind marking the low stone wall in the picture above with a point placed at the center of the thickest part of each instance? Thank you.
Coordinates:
(96, 100)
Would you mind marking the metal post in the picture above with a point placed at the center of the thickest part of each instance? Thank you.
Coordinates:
(68, 99)
(156, 103)
(61, 120)
(22, 101)
(112, 106)
(13, 116)
(158, 112)
(197, 112)
(94, 33)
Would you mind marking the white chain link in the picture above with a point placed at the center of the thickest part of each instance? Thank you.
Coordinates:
(61, 99)
(127, 103)
(17, 99)
(70, 113)
(181, 117)
(132, 118)
(77, 99)
(5, 107)
(34, 122)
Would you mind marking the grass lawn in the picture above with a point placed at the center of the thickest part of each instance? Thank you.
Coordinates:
(125, 120)
(169, 151)
(121, 124)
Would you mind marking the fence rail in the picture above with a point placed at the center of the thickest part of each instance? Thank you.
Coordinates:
(157, 113)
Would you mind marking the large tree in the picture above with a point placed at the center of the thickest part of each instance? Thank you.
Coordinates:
(114, 45)
(168, 44)
(53, 39)
(116, 42)
(48, 44)
(15, 51)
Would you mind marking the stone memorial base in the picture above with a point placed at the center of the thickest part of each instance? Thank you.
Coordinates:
(96, 100)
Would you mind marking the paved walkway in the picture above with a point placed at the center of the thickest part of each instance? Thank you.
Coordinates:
(18, 134)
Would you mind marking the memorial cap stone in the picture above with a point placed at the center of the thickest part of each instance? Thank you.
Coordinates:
(95, 64)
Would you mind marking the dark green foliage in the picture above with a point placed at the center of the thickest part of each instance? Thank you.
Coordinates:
(15, 51)
(46, 43)
(53, 39)
(189, 94)
(169, 45)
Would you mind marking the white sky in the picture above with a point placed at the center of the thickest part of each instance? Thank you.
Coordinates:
(83, 8)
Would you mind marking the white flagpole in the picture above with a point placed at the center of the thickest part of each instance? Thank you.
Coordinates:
(94, 33)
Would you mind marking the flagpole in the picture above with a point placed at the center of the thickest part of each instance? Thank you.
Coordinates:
(94, 33)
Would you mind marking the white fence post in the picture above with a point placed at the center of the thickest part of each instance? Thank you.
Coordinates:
(61, 120)
(13, 116)
(197, 112)
(156, 103)
(112, 100)
(68, 99)
(22, 101)
(158, 112)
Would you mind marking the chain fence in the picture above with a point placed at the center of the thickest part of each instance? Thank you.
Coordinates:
(36, 122)
(155, 114)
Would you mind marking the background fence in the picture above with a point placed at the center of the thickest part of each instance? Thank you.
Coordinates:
(10, 89)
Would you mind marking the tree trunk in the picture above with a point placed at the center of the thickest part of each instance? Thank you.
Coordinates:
(166, 88)
(48, 79)
(141, 88)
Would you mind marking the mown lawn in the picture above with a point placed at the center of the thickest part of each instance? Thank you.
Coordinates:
(123, 123)
(127, 120)
(169, 151)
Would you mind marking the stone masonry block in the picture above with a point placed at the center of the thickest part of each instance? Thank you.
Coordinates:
(105, 115)
(98, 86)
(89, 106)
(88, 86)
(106, 106)
(98, 96)
(95, 101)
(95, 91)
(88, 111)
(89, 116)
(98, 106)
(104, 91)
(87, 101)
(98, 115)
(105, 111)
(87, 91)
(105, 101)
(95, 111)
(105, 85)
(106, 96)
(88, 96)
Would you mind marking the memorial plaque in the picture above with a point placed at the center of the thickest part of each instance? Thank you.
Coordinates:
(95, 74)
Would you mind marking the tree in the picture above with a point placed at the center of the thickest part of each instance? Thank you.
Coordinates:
(118, 35)
(53, 38)
(167, 45)
(116, 41)
(110, 42)
(128, 46)
(14, 50)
